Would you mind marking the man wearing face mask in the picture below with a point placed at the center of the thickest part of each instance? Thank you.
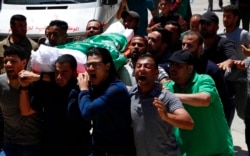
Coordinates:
(138, 46)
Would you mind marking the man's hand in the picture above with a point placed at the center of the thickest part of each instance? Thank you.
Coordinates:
(27, 77)
(83, 81)
(160, 108)
(226, 65)
(245, 50)
(240, 64)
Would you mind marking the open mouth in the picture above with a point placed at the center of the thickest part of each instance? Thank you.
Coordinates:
(9, 71)
(92, 76)
(142, 78)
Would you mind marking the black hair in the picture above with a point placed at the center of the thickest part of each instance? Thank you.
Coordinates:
(99, 22)
(231, 8)
(17, 17)
(106, 58)
(145, 40)
(61, 24)
(146, 55)
(14, 50)
(196, 15)
(200, 38)
(67, 58)
(166, 35)
(174, 23)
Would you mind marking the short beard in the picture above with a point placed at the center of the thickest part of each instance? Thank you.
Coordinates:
(134, 57)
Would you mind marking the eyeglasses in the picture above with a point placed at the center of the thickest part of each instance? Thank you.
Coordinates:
(93, 64)
(145, 65)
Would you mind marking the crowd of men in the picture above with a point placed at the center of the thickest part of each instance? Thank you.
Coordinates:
(176, 95)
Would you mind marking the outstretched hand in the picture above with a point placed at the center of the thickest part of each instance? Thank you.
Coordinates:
(245, 50)
(240, 64)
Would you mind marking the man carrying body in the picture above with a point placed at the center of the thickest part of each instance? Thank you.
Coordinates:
(57, 33)
(22, 134)
(18, 27)
(94, 27)
(49, 94)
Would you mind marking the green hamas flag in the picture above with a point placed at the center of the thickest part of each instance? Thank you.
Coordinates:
(114, 42)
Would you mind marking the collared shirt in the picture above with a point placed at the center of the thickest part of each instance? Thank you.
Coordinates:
(153, 136)
(211, 134)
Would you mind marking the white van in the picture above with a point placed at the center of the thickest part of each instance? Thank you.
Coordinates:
(39, 13)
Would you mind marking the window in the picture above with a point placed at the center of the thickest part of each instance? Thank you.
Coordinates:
(27, 2)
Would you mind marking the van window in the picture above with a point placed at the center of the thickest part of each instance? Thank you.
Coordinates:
(27, 2)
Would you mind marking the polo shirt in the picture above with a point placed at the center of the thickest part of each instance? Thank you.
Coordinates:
(211, 134)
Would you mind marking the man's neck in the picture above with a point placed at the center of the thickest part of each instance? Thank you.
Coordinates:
(208, 42)
(14, 39)
(230, 29)
(14, 83)
(146, 89)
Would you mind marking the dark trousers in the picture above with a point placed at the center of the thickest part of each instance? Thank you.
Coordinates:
(109, 154)
(244, 16)
(210, 4)
(19, 150)
(247, 133)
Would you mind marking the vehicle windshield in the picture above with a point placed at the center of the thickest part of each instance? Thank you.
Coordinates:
(27, 2)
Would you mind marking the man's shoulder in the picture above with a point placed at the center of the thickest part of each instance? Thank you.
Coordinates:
(3, 79)
(202, 77)
(223, 42)
(212, 66)
(33, 43)
(5, 41)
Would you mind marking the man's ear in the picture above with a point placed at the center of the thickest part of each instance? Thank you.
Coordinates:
(200, 48)
(11, 27)
(107, 65)
(190, 68)
(66, 37)
(24, 62)
(156, 73)
(138, 24)
(75, 73)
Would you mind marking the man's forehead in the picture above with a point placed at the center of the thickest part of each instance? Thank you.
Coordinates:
(137, 40)
(54, 28)
(93, 23)
(154, 33)
(145, 60)
(12, 56)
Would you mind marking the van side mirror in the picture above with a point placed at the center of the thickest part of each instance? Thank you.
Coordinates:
(109, 2)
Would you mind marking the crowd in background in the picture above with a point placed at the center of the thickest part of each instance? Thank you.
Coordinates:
(176, 94)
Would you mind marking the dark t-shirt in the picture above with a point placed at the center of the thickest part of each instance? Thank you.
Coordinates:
(164, 19)
(221, 50)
